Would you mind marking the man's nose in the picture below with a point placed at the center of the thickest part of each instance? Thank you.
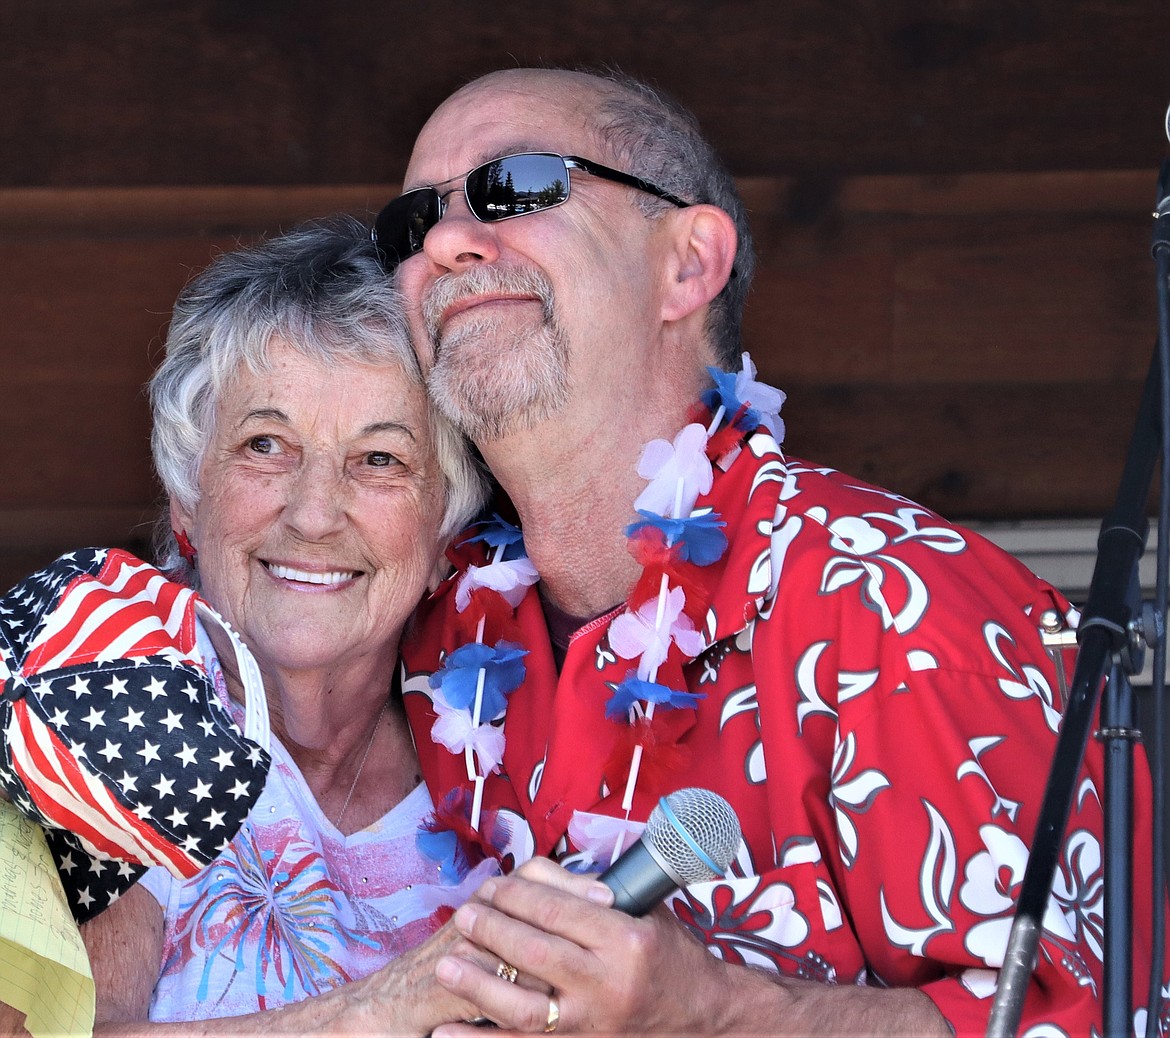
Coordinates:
(459, 240)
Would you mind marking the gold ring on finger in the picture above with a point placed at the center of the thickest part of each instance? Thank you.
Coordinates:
(554, 1015)
(506, 971)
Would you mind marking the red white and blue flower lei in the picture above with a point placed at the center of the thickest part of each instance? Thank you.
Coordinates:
(470, 691)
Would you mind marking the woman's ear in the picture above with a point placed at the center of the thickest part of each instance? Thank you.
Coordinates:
(181, 522)
(704, 253)
(180, 519)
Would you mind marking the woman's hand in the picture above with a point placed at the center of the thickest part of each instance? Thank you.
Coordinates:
(610, 973)
(604, 971)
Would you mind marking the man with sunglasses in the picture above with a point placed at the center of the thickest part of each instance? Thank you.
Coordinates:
(668, 601)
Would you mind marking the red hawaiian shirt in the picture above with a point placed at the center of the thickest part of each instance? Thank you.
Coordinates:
(879, 709)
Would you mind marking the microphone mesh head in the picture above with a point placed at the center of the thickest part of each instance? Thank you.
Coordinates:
(710, 822)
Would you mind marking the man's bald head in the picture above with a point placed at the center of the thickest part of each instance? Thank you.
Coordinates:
(646, 133)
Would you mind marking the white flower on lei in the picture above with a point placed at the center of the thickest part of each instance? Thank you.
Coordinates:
(761, 397)
(678, 473)
(453, 729)
(596, 836)
(638, 633)
(510, 578)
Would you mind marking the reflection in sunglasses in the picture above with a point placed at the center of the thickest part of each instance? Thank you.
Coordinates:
(514, 185)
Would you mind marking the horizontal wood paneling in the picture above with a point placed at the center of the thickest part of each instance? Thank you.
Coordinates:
(976, 342)
(55, 214)
(137, 92)
(988, 450)
(1018, 278)
(32, 537)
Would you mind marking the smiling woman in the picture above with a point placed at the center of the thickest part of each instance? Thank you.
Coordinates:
(311, 491)
(320, 513)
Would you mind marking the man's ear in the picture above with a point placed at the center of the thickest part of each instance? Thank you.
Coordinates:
(704, 253)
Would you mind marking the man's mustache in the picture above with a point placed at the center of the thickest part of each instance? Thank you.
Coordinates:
(451, 289)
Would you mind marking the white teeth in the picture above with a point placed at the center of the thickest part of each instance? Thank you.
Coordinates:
(305, 577)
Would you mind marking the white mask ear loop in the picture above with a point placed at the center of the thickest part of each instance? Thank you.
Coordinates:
(256, 724)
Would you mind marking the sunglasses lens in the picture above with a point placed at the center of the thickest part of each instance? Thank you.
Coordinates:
(499, 189)
(400, 227)
(517, 185)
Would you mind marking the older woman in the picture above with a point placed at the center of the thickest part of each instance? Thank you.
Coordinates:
(311, 491)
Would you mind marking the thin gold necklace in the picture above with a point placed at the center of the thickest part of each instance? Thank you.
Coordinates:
(358, 773)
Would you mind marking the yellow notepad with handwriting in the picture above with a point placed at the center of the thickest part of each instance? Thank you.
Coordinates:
(44, 970)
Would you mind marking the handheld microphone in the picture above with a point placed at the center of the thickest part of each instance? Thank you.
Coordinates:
(690, 837)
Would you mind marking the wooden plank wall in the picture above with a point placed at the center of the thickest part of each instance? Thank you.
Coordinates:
(951, 201)
(88, 278)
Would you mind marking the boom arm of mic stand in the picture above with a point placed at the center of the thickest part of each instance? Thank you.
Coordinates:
(1102, 633)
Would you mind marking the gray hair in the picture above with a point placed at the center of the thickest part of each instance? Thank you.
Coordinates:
(322, 290)
(659, 140)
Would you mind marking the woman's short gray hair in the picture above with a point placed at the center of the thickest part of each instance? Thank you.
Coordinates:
(321, 289)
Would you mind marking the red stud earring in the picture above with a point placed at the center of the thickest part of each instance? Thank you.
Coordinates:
(186, 548)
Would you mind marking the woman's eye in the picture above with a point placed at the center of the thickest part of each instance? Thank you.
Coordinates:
(262, 445)
(380, 459)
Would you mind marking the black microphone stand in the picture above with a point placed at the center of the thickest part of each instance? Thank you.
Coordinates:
(1114, 630)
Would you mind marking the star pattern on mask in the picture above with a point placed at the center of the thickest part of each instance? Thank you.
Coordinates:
(147, 728)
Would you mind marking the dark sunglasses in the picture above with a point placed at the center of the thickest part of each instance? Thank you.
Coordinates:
(514, 185)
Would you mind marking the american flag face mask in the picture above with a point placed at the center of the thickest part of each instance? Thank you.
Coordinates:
(112, 735)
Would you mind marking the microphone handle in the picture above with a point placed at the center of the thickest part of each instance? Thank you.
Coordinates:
(638, 880)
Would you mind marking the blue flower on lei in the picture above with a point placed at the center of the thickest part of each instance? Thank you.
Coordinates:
(735, 389)
(503, 667)
(700, 538)
(444, 849)
(497, 532)
(634, 690)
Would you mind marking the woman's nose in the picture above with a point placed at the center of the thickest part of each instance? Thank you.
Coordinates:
(317, 501)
